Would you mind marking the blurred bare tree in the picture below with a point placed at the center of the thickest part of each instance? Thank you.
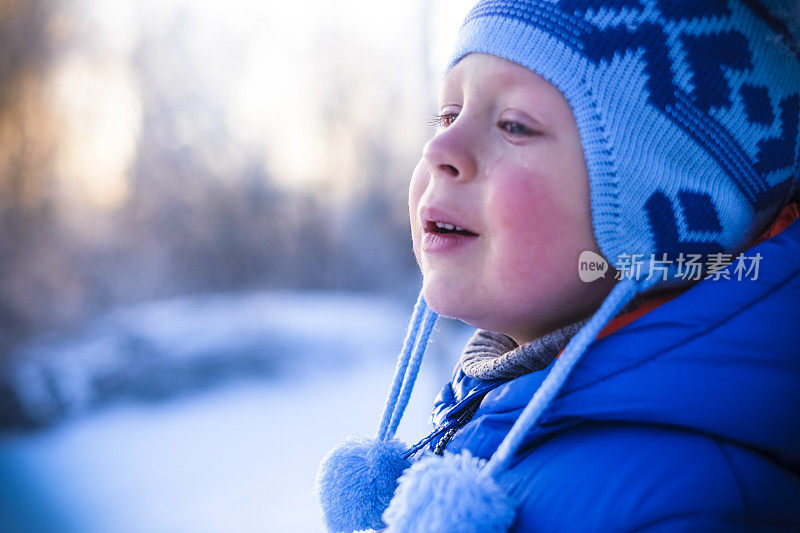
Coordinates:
(200, 212)
(35, 265)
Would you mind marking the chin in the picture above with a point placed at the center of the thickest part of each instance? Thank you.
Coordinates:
(446, 303)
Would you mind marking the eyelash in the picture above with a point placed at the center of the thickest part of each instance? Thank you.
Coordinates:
(525, 130)
(444, 120)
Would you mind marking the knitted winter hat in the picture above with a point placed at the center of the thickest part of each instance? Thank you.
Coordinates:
(687, 111)
(688, 115)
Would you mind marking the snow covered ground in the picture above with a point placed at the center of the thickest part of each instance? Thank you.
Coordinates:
(237, 457)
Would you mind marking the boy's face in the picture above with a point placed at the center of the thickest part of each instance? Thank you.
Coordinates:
(506, 168)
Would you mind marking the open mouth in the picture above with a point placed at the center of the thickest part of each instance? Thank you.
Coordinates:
(445, 228)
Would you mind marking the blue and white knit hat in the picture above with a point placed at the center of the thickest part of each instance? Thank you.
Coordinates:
(687, 111)
(688, 114)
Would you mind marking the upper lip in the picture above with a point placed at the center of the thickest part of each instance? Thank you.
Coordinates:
(430, 215)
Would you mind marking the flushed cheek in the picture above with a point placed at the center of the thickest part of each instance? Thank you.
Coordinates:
(530, 228)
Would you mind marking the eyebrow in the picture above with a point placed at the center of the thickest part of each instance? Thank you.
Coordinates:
(443, 92)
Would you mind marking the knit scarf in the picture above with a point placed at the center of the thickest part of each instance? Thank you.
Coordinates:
(490, 355)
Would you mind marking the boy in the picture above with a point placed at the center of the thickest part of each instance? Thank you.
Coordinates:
(652, 133)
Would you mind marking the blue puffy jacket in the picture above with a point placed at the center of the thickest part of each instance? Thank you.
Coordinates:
(688, 419)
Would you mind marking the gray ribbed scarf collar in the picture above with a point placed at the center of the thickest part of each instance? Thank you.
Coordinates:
(490, 355)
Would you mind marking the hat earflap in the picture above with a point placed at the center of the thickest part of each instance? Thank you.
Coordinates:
(357, 479)
(458, 492)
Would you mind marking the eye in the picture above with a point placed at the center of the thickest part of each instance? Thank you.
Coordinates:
(443, 120)
(515, 128)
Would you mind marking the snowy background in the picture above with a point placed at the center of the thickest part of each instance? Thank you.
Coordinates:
(205, 258)
(236, 452)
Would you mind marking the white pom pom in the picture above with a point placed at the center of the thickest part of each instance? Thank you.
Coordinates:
(356, 481)
(446, 494)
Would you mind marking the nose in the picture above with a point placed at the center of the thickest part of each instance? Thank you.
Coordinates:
(451, 153)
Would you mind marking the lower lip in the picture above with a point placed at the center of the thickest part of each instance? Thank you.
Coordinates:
(444, 242)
